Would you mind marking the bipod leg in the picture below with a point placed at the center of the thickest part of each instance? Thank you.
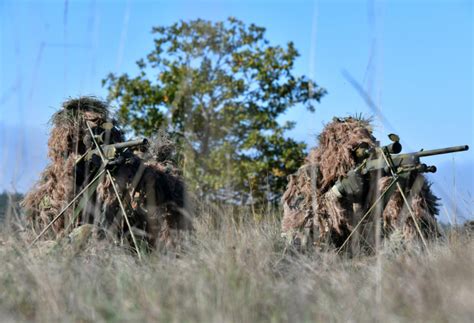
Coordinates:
(109, 175)
(67, 207)
(394, 181)
(389, 162)
(412, 214)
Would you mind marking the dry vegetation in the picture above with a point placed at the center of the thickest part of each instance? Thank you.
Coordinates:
(236, 271)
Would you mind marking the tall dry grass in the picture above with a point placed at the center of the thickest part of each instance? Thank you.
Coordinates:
(235, 270)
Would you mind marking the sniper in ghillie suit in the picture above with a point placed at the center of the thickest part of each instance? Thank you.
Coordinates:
(131, 191)
(351, 193)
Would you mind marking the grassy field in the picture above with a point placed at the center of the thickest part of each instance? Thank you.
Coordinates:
(239, 272)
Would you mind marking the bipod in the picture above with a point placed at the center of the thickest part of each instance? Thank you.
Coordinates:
(395, 181)
(103, 170)
(109, 175)
(384, 193)
(393, 171)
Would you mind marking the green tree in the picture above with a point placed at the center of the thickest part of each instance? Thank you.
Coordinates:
(220, 86)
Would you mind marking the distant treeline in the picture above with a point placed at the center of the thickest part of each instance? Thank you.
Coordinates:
(5, 202)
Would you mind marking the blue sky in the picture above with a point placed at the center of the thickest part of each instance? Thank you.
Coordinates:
(414, 58)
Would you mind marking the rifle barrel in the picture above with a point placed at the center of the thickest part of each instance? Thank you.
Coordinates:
(131, 143)
(441, 151)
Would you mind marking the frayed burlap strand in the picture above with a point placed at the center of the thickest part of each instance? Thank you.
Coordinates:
(149, 183)
(312, 210)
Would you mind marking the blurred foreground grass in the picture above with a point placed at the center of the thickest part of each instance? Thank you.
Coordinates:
(239, 272)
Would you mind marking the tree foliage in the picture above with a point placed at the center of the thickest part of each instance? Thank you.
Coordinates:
(221, 87)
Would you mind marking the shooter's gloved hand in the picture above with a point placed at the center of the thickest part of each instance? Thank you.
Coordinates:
(352, 186)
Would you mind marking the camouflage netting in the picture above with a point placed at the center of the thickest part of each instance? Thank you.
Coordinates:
(314, 215)
(149, 183)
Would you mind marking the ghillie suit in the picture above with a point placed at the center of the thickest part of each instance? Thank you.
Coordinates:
(149, 184)
(315, 215)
